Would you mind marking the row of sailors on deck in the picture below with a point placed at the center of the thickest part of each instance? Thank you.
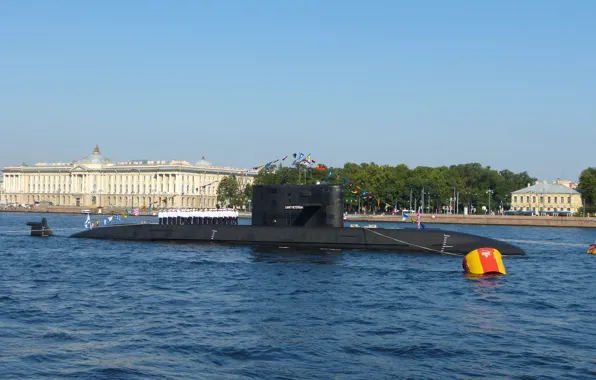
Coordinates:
(195, 216)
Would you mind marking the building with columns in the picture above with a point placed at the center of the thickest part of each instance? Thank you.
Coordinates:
(545, 198)
(96, 181)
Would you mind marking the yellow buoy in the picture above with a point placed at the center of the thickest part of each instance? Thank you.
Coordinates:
(592, 249)
(483, 261)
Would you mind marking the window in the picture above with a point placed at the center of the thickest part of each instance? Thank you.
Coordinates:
(548, 202)
(541, 199)
(515, 198)
(555, 200)
(568, 200)
(568, 209)
(534, 199)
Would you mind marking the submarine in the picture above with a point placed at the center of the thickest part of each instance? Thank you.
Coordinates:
(305, 217)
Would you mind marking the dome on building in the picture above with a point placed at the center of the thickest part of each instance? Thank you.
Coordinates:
(95, 158)
(203, 162)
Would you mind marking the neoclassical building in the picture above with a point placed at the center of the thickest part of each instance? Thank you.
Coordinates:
(547, 198)
(95, 181)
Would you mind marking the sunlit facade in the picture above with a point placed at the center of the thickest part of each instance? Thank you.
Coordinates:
(95, 181)
(545, 198)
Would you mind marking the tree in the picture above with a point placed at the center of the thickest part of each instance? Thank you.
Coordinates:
(229, 193)
(587, 185)
(393, 184)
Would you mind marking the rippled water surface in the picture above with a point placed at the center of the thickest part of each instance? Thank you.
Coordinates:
(75, 308)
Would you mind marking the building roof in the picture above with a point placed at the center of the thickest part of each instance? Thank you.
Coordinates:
(95, 158)
(546, 188)
(203, 162)
(96, 161)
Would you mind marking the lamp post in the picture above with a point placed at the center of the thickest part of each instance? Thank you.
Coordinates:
(489, 192)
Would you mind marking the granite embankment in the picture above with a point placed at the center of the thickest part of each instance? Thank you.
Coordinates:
(536, 221)
(79, 210)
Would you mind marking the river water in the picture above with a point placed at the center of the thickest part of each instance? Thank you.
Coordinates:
(89, 309)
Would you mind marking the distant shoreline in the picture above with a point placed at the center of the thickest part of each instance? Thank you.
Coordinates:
(498, 220)
(76, 210)
(492, 220)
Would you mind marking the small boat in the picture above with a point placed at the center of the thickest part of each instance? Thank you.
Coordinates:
(85, 211)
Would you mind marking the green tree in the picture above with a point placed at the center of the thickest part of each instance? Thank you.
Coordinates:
(587, 185)
(229, 193)
(393, 184)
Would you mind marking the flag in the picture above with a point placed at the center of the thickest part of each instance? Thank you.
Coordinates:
(294, 155)
(135, 211)
(87, 222)
(418, 218)
(105, 221)
(124, 215)
(404, 217)
(299, 158)
(283, 159)
(110, 219)
(329, 175)
(592, 248)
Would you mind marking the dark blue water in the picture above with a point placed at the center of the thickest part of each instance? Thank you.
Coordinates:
(74, 308)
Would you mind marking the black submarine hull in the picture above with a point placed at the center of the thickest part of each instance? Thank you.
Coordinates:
(358, 238)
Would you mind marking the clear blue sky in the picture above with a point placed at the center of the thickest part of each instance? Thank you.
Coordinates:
(510, 84)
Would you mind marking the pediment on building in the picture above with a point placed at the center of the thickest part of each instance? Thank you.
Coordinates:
(79, 169)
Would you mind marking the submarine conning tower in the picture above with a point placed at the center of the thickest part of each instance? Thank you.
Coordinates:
(297, 205)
